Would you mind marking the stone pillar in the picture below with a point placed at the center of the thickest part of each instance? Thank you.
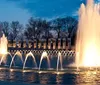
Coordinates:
(44, 44)
(59, 43)
(32, 44)
(54, 44)
(64, 43)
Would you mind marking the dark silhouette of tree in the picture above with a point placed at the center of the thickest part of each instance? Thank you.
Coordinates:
(64, 25)
(71, 25)
(36, 28)
(16, 29)
(57, 25)
(5, 28)
(46, 29)
(31, 28)
(40, 28)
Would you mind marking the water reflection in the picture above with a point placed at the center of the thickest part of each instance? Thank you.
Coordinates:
(70, 78)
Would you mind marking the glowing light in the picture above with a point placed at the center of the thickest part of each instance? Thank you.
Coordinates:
(59, 61)
(11, 70)
(59, 54)
(44, 54)
(3, 45)
(91, 56)
(28, 55)
(40, 72)
(88, 35)
(3, 51)
(58, 73)
(94, 72)
(24, 71)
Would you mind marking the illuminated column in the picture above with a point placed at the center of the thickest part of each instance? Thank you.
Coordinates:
(32, 44)
(49, 44)
(64, 43)
(59, 43)
(44, 44)
(54, 44)
(39, 44)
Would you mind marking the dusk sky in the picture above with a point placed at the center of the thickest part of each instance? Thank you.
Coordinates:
(22, 10)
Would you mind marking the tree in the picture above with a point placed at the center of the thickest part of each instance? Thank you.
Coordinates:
(45, 28)
(5, 28)
(71, 26)
(30, 31)
(15, 30)
(36, 28)
(65, 24)
(57, 26)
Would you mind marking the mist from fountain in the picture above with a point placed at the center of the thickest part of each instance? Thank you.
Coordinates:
(27, 56)
(88, 35)
(5, 56)
(3, 48)
(59, 61)
(19, 55)
(44, 55)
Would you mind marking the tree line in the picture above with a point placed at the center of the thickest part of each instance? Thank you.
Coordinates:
(38, 28)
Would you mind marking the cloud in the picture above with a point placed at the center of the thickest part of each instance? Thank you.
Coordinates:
(49, 8)
(75, 13)
(9, 11)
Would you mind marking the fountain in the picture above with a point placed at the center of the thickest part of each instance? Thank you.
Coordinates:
(3, 48)
(3, 45)
(28, 55)
(4, 55)
(87, 43)
(19, 55)
(86, 55)
(59, 59)
(44, 55)
(88, 36)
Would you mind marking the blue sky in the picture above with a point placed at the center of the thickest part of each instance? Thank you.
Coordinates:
(22, 10)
